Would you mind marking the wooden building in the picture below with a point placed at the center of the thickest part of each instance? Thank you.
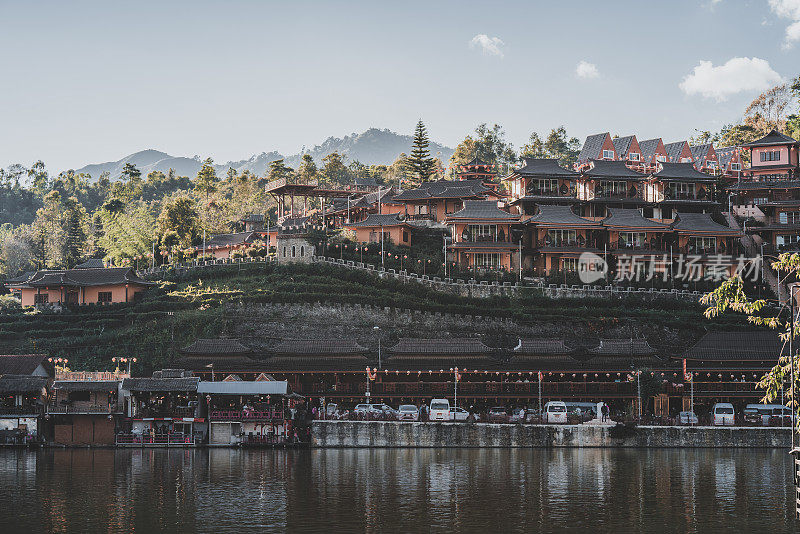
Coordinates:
(483, 238)
(541, 181)
(558, 237)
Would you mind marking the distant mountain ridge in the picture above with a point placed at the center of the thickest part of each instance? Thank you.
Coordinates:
(372, 147)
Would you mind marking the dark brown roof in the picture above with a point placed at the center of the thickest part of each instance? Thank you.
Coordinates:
(160, 384)
(757, 345)
(231, 240)
(688, 223)
(216, 347)
(85, 385)
(537, 346)
(484, 210)
(86, 277)
(544, 167)
(623, 347)
(407, 346)
(774, 137)
(375, 220)
(561, 216)
(612, 169)
(677, 172)
(20, 384)
(318, 347)
(91, 263)
(23, 364)
(631, 218)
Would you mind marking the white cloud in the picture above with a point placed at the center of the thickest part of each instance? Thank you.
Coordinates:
(737, 75)
(788, 9)
(490, 46)
(587, 70)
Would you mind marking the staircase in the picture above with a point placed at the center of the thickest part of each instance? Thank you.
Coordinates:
(752, 250)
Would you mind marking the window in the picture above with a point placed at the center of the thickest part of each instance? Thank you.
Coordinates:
(736, 166)
(760, 200)
(302, 251)
(487, 261)
(702, 245)
(104, 296)
(284, 252)
(43, 298)
(405, 236)
(561, 238)
(632, 239)
(661, 157)
(608, 154)
(481, 232)
(545, 186)
(611, 188)
(786, 240)
(770, 155)
(569, 264)
(681, 191)
(711, 164)
(634, 156)
(293, 251)
(789, 217)
(686, 160)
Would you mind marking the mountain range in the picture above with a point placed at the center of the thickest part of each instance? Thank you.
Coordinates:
(372, 147)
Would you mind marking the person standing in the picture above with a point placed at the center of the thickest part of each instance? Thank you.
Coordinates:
(605, 412)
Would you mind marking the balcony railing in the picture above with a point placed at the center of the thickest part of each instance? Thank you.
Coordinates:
(166, 412)
(420, 217)
(146, 440)
(84, 408)
(482, 388)
(245, 415)
(31, 409)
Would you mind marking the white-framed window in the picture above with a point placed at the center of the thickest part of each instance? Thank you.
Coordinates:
(632, 239)
(789, 217)
(544, 186)
(783, 240)
(610, 188)
(608, 154)
(682, 191)
(736, 166)
(569, 264)
(686, 160)
(770, 155)
(484, 260)
(558, 237)
(711, 164)
(482, 232)
(661, 158)
(702, 245)
(634, 156)
(760, 200)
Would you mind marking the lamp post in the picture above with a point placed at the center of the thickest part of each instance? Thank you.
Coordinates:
(791, 359)
(456, 376)
(378, 333)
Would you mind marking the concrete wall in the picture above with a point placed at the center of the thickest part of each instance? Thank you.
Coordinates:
(393, 434)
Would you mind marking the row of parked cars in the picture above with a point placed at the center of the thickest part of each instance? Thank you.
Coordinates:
(724, 414)
(441, 410)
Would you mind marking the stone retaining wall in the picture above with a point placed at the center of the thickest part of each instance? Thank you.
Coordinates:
(393, 434)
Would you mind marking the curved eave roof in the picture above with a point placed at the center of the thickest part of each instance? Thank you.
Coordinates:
(612, 170)
(631, 219)
(561, 216)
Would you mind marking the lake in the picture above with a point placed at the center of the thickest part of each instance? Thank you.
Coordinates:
(396, 490)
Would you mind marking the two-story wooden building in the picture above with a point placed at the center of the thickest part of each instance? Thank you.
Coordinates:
(482, 237)
(541, 181)
(558, 237)
(603, 184)
(678, 187)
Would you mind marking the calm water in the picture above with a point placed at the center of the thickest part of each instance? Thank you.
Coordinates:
(397, 490)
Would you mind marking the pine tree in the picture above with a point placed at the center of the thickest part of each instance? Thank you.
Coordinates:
(420, 161)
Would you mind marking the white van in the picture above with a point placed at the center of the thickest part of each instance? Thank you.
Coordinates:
(722, 414)
(555, 412)
(439, 410)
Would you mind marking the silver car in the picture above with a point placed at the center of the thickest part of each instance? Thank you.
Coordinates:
(687, 418)
(408, 412)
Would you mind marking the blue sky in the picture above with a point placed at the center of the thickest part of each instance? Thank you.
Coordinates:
(93, 81)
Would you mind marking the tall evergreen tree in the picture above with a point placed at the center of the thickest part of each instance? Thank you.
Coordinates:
(420, 161)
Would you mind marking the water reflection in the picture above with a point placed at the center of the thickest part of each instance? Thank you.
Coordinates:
(396, 490)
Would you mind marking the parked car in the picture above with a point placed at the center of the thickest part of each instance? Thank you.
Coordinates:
(517, 415)
(458, 414)
(752, 416)
(555, 412)
(687, 418)
(723, 414)
(497, 414)
(439, 410)
(374, 411)
(533, 416)
(408, 412)
(781, 416)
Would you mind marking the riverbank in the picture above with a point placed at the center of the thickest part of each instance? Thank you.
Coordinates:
(344, 434)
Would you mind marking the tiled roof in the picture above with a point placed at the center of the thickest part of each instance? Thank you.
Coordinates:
(622, 145)
(91, 263)
(231, 240)
(319, 347)
(254, 218)
(295, 222)
(725, 155)
(544, 167)
(445, 346)
(561, 216)
(623, 347)
(539, 346)
(19, 279)
(612, 169)
(592, 147)
(375, 220)
(765, 184)
(445, 189)
(774, 137)
(648, 148)
(700, 153)
(701, 223)
(630, 218)
(160, 384)
(20, 384)
(86, 277)
(484, 210)
(674, 151)
(682, 171)
(22, 364)
(86, 385)
(756, 345)
(216, 347)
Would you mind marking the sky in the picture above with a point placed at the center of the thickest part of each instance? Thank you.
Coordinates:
(87, 82)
